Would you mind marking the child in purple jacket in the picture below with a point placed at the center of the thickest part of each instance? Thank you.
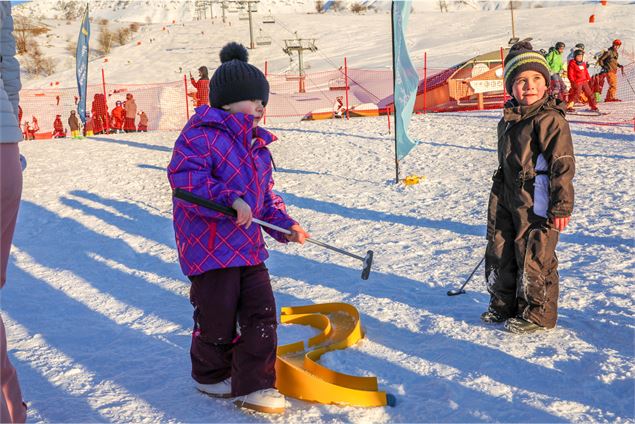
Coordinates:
(222, 155)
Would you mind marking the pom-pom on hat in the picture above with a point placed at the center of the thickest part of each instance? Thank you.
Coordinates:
(236, 80)
(522, 57)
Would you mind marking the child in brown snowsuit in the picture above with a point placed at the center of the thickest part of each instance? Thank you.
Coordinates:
(531, 199)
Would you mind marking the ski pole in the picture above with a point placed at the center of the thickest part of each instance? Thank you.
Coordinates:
(460, 290)
(367, 260)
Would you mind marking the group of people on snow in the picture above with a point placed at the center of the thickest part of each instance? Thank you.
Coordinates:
(584, 88)
(121, 119)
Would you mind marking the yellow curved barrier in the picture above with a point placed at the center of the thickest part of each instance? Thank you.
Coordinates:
(300, 375)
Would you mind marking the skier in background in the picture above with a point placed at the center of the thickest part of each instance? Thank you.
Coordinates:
(557, 87)
(609, 63)
(100, 114)
(202, 86)
(58, 127)
(580, 82)
(73, 123)
(143, 122)
(131, 113)
(117, 117)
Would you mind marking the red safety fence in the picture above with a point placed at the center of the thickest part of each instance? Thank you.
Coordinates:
(317, 95)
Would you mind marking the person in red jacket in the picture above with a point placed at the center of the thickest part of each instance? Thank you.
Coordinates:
(202, 86)
(580, 79)
(58, 127)
(117, 117)
(100, 114)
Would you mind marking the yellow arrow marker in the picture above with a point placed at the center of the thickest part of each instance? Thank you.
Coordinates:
(298, 371)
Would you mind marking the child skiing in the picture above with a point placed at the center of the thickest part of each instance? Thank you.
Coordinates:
(143, 122)
(531, 199)
(73, 123)
(222, 155)
(557, 88)
(117, 117)
(58, 127)
(580, 80)
(609, 63)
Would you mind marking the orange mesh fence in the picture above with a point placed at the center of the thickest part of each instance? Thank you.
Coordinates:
(317, 95)
(163, 104)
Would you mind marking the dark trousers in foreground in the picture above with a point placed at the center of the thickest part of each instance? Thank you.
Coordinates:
(521, 267)
(223, 298)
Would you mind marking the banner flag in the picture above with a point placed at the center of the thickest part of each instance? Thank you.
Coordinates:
(406, 79)
(81, 65)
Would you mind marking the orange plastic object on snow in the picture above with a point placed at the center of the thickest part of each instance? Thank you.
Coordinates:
(591, 19)
(301, 376)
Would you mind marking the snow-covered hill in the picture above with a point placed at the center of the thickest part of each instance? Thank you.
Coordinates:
(165, 11)
(448, 38)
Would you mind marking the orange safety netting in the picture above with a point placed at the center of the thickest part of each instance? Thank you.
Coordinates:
(318, 95)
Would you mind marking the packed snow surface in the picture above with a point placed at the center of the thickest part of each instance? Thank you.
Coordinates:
(99, 321)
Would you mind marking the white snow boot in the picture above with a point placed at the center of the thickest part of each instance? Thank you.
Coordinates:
(222, 389)
(270, 401)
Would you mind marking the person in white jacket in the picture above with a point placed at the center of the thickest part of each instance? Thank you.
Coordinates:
(12, 408)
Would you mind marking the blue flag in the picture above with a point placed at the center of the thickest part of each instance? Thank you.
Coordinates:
(81, 65)
(406, 78)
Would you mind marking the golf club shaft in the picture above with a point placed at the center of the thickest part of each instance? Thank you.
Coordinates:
(186, 195)
(319, 243)
(472, 274)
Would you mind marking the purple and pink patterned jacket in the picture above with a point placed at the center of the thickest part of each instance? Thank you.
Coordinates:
(219, 157)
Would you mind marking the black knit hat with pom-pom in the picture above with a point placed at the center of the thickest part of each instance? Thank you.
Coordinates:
(522, 57)
(235, 79)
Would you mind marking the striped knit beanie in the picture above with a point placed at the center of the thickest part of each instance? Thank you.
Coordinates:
(522, 57)
(236, 80)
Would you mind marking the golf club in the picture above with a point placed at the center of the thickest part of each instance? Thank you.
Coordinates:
(367, 260)
(455, 292)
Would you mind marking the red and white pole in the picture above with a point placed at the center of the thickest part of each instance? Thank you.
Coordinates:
(346, 86)
(264, 113)
(187, 106)
(425, 79)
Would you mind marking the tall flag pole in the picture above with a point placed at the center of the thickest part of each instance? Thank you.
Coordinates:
(405, 80)
(81, 65)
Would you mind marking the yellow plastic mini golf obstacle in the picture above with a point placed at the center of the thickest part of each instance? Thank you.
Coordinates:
(299, 374)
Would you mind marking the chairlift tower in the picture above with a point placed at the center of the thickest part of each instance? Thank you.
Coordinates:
(299, 45)
(250, 9)
(200, 7)
(224, 8)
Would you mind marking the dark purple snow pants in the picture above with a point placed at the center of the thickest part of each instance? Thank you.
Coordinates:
(222, 298)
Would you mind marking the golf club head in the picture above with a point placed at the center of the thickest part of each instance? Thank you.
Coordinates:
(455, 292)
(368, 262)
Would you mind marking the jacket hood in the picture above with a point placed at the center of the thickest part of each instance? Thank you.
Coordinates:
(236, 124)
(515, 112)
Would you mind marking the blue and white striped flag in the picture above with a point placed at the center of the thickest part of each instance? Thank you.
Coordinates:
(81, 65)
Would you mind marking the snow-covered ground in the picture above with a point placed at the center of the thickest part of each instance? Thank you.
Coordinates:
(97, 310)
(99, 320)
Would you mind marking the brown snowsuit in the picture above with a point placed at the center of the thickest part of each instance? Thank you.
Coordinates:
(532, 185)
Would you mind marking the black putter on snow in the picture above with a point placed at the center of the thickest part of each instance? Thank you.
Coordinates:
(192, 198)
(460, 290)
